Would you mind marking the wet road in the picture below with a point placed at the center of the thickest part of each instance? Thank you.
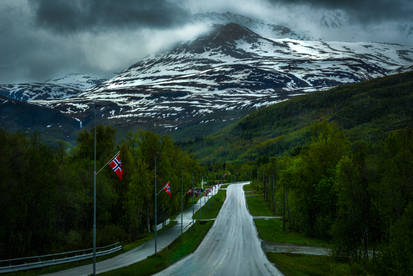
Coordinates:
(231, 246)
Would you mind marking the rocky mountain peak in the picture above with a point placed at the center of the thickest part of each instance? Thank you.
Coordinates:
(221, 36)
(231, 32)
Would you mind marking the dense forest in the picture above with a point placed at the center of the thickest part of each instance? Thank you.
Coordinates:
(337, 165)
(46, 192)
(357, 194)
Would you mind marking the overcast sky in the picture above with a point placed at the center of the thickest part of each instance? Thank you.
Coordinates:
(44, 38)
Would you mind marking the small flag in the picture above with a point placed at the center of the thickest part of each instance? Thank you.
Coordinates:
(190, 191)
(167, 188)
(116, 166)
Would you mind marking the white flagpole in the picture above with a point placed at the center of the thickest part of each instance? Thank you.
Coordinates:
(182, 202)
(156, 210)
(94, 198)
(193, 199)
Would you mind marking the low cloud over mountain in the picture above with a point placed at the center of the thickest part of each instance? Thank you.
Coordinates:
(41, 38)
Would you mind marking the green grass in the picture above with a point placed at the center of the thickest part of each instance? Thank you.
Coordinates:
(257, 205)
(211, 209)
(126, 247)
(271, 230)
(224, 186)
(300, 265)
(181, 247)
(248, 187)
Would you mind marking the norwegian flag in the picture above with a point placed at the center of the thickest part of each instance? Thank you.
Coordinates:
(116, 166)
(190, 191)
(167, 188)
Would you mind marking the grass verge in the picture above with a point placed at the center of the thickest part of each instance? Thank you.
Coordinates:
(181, 247)
(211, 209)
(55, 268)
(300, 265)
(248, 187)
(271, 230)
(257, 205)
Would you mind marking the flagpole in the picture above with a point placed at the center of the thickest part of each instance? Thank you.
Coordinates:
(200, 199)
(156, 209)
(193, 198)
(182, 202)
(94, 197)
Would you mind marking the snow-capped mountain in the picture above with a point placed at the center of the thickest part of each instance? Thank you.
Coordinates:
(333, 19)
(222, 76)
(37, 91)
(228, 72)
(77, 81)
(62, 87)
(258, 26)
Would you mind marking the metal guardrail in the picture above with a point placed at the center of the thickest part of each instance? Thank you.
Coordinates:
(50, 259)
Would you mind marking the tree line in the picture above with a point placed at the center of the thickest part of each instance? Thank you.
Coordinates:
(46, 192)
(357, 194)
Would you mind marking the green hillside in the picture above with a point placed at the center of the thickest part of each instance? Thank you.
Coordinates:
(365, 110)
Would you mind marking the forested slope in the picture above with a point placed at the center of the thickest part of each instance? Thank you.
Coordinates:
(365, 110)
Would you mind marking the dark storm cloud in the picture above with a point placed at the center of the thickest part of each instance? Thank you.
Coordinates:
(85, 15)
(41, 38)
(99, 36)
(366, 11)
(27, 54)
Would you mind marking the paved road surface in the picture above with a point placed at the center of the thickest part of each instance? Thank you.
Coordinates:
(142, 251)
(231, 246)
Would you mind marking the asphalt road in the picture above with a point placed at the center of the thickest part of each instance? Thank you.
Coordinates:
(231, 246)
(141, 252)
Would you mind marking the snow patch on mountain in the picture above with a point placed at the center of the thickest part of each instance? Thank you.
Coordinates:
(37, 91)
(77, 81)
(64, 87)
(224, 74)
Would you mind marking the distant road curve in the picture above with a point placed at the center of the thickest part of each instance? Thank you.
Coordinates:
(231, 246)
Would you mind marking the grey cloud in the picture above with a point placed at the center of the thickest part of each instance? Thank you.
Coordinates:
(93, 15)
(102, 36)
(365, 11)
(32, 55)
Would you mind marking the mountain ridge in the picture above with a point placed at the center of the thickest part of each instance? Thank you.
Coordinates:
(223, 75)
(25, 117)
(366, 110)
